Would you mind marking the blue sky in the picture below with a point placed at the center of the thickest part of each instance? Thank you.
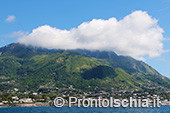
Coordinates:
(62, 14)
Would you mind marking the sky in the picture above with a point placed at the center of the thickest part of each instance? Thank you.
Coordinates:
(139, 29)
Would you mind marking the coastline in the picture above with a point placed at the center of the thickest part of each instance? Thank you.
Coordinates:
(46, 105)
(25, 105)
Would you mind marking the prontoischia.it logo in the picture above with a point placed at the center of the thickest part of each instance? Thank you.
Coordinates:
(111, 102)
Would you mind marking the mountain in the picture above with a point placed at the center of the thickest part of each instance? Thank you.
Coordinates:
(35, 69)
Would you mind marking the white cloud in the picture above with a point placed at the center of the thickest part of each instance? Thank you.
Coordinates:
(136, 35)
(10, 18)
(16, 34)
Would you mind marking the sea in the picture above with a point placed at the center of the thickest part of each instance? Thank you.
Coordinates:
(65, 109)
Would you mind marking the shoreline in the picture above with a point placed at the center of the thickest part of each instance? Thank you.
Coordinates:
(46, 105)
(25, 105)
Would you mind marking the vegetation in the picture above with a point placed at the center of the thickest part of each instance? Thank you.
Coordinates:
(42, 70)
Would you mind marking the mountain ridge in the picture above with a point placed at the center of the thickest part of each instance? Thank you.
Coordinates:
(32, 67)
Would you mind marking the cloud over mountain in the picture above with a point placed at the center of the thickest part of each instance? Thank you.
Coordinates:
(136, 35)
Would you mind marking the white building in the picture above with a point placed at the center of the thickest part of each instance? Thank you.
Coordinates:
(26, 100)
(15, 89)
(35, 93)
(15, 98)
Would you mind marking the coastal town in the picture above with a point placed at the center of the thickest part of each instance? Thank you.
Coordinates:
(15, 98)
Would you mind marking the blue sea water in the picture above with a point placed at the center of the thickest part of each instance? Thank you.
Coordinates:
(162, 109)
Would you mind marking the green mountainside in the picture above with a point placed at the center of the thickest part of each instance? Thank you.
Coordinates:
(43, 70)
